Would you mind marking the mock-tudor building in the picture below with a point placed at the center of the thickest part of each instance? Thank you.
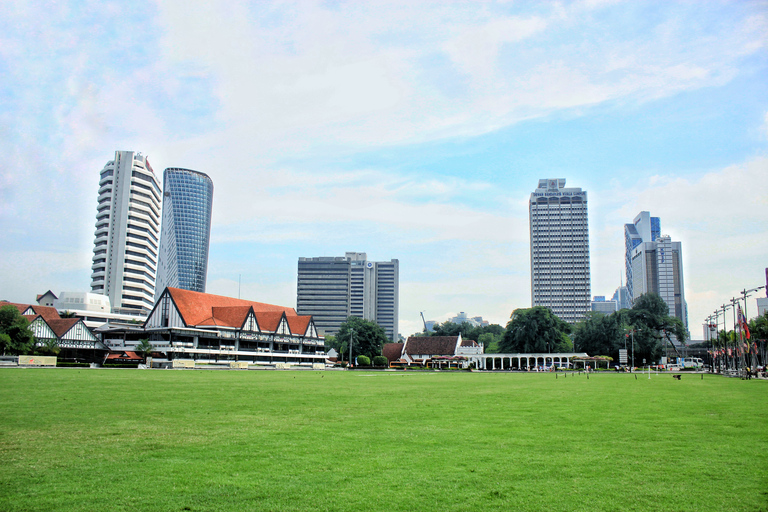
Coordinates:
(431, 351)
(71, 335)
(205, 327)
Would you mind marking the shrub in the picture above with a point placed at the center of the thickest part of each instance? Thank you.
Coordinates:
(363, 361)
(380, 361)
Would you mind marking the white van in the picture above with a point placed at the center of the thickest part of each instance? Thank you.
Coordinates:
(692, 362)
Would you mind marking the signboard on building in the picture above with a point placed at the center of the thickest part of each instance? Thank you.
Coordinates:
(623, 356)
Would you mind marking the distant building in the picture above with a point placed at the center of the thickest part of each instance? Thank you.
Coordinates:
(657, 267)
(762, 306)
(643, 229)
(186, 230)
(197, 326)
(46, 299)
(435, 351)
(600, 305)
(331, 289)
(127, 233)
(73, 338)
(621, 298)
(475, 321)
(559, 231)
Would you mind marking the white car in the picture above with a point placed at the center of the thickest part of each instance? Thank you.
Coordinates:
(674, 367)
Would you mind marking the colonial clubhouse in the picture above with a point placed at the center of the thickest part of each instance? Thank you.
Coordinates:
(208, 328)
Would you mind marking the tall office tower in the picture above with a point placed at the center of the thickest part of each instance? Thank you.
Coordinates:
(657, 267)
(560, 274)
(331, 289)
(643, 229)
(621, 297)
(186, 232)
(127, 229)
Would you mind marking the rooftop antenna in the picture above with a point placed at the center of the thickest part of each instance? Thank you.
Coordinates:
(238, 285)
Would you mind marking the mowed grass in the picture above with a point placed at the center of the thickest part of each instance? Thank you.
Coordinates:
(80, 439)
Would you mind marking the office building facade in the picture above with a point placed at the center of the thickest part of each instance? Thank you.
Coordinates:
(331, 289)
(127, 233)
(186, 230)
(643, 229)
(657, 267)
(559, 233)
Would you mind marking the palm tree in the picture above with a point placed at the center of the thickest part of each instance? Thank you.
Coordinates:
(144, 348)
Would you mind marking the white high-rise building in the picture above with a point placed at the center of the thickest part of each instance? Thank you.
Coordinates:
(560, 272)
(127, 233)
(331, 289)
(657, 267)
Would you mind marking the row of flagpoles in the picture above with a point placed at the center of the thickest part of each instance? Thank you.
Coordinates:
(735, 356)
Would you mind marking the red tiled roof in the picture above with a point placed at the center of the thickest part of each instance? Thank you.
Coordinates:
(431, 345)
(60, 326)
(268, 321)
(469, 343)
(298, 324)
(197, 308)
(392, 351)
(125, 355)
(232, 316)
(47, 312)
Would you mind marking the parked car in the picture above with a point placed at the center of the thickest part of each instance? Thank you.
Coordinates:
(674, 367)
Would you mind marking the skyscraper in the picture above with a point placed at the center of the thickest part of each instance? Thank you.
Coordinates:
(186, 230)
(127, 229)
(657, 267)
(643, 229)
(331, 289)
(560, 273)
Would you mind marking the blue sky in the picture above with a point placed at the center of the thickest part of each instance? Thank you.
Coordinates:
(408, 130)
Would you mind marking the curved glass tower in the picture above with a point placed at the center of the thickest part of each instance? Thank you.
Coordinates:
(186, 230)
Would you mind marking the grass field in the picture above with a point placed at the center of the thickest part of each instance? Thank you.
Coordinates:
(81, 439)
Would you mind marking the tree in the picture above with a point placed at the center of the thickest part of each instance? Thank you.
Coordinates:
(599, 334)
(47, 347)
(362, 336)
(535, 330)
(144, 348)
(15, 336)
(650, 319)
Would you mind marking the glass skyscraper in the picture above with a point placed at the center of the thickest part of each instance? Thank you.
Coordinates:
(186, 230)
(643, 229)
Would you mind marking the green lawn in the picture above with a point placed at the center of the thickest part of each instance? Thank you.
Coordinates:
(81, 439)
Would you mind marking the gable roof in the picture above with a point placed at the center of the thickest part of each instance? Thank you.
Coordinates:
(196, 308)
(431, 345)
(469, 343)
(392, 351)
(61, 326)
(268, 320)
(298, 324)
(47, 312)
(231, 316)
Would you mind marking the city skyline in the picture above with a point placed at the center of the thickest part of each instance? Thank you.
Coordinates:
(411, 132)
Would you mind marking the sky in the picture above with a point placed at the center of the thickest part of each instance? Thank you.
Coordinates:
(406, 130)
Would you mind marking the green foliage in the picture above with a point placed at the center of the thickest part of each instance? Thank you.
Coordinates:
(380, 361)
(599, 334)
(144, 347)
(47, 347)
(535, 330)
(650, 318)
(15, 336)
(489, 336)
(758, 328)
(366, 337)
(363, 360)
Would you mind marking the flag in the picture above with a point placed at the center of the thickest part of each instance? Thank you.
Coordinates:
(743, 326)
